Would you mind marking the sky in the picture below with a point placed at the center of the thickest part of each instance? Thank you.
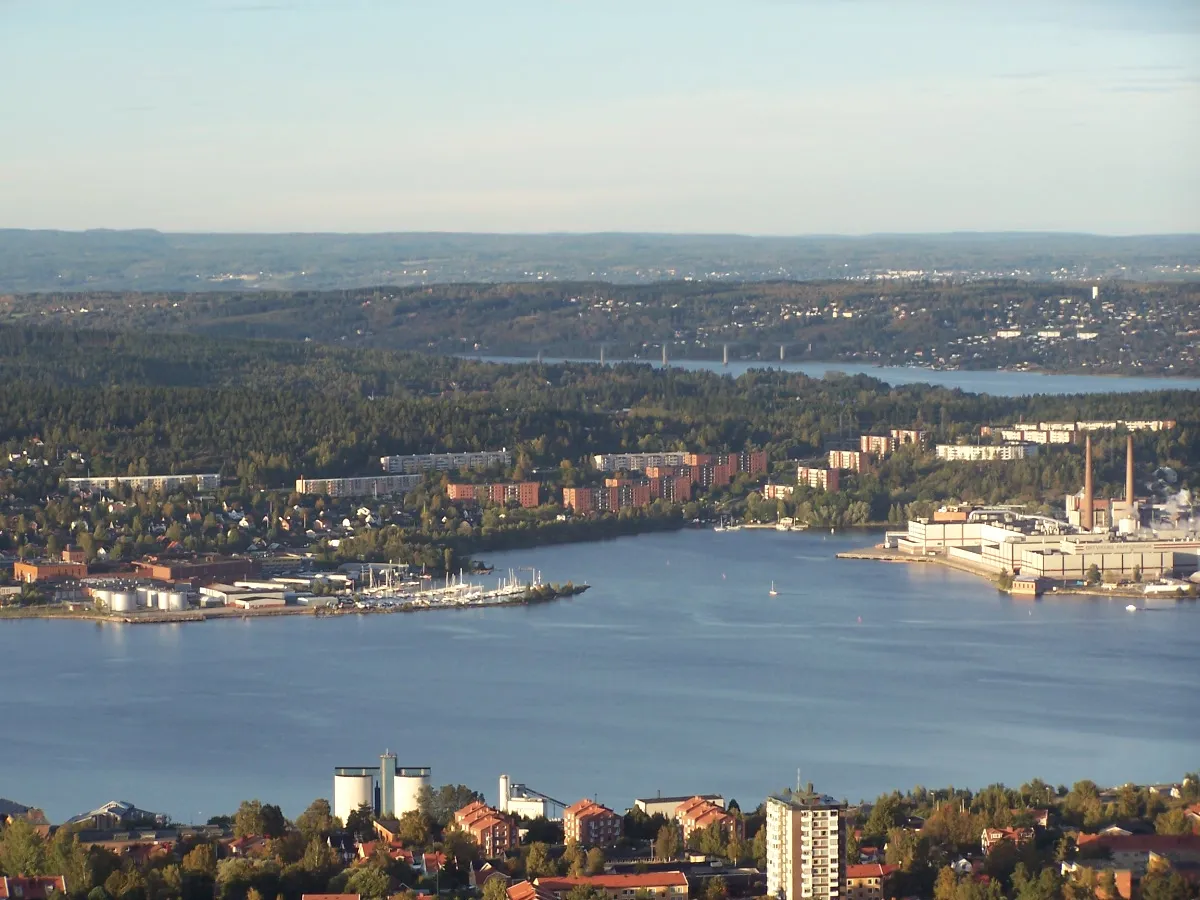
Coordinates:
(780, 117)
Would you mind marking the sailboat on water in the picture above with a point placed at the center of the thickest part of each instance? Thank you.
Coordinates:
(773, 592)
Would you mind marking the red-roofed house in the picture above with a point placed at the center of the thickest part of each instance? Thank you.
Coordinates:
(31, 887)
(672, 885)
(433, 862)
(591, 824)
(482, 872)
(1133, 851)
(527, 890)
(993, 836)
(697, 814)
(867, 881)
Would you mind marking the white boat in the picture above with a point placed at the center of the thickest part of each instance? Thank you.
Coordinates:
(773, 592)
(1131, 608)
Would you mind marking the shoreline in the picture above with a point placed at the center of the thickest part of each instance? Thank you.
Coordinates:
(216, 613)
(879, 554)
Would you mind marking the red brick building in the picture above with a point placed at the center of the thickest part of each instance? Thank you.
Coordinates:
(491, 829)
(526, 493)
(31, 887)
(868, 880)
(823, 479)
(591, 824)
(44, 570)
(661, 885)
(698, 814)
(200, 570)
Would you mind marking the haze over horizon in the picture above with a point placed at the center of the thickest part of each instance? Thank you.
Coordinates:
(757, 117)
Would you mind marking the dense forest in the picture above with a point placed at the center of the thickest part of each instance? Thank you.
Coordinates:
(1129, 328)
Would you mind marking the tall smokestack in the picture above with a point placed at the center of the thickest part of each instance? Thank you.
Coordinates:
(1129, 473)
(1086, 516)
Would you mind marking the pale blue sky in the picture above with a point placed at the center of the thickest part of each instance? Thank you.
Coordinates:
(753, 116)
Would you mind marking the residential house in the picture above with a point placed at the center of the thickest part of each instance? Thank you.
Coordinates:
(31, 887)
(1135, 851)
(697, 814)
(527, 890)
(666, 885)
(868, 881)
(495, 832)
(993, 836)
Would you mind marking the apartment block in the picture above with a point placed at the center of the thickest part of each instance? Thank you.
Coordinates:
(985, 452)
(636, 462)
(591, 824)
(159, 483)
(494, 831)
(879, 445)
(583, 500)
(366, 486)
(625, 493)
(822, 479)
(526, 493)
(867, 881)
(909, 436)
(753, 462)
(854, 460)
(778, 491)
(444, 462)
(697, 814)
(806, 846)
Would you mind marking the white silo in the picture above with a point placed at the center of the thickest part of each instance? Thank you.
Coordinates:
(146, 597)
(409, 781)
(352, 787)
(503, 794)
(103, 597)
(176, 601)
(123, 601)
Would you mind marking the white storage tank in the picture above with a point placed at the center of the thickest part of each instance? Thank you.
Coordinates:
(103, 596)
(409, 781)
(146, 597)
(351, 789)
(175, 601)
(123, 601)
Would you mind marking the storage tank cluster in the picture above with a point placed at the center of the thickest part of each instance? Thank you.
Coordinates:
(387, 789)
(129, 596)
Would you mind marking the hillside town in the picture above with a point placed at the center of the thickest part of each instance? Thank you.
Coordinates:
(406, 839)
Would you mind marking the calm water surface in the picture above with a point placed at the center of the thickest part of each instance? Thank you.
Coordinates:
(676, 672)
(999, 383)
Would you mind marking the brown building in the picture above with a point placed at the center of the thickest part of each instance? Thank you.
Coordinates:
(31, 887)
(698, 814)
(74, 555)
(993, 836)
(210, 570)
(778, 491)
(879, 445)
(591, 824)
(624, 493)
(492, 830)
(43, 570)
(868, 881)
(581, 500)
(823, 479)
(854, 460)
(526, 493)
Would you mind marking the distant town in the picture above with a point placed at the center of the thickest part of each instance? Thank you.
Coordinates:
(389, 833)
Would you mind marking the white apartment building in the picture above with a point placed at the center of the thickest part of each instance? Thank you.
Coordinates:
(158, 483)
(444, 462)
(636, 462)
(366, 486)
(806, 846)
(985, 452)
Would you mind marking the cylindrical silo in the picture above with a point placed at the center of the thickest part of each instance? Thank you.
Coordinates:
(146, 597)
(409, 781)
(123, 601)
(175, 601)
(351, 789)
(103, 596)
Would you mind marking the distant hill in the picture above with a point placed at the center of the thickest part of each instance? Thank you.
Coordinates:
(154, 261)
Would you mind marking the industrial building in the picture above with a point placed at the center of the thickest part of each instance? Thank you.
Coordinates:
(985, 452)
(365, 486)
(806, 846)
(159, 483)
(198, 570)
(388, 789)
(520, 800)
(667, 806)
(444, 462)
(43, 570)
(122, 595)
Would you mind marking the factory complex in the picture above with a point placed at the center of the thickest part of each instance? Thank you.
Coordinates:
(1127, 539)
